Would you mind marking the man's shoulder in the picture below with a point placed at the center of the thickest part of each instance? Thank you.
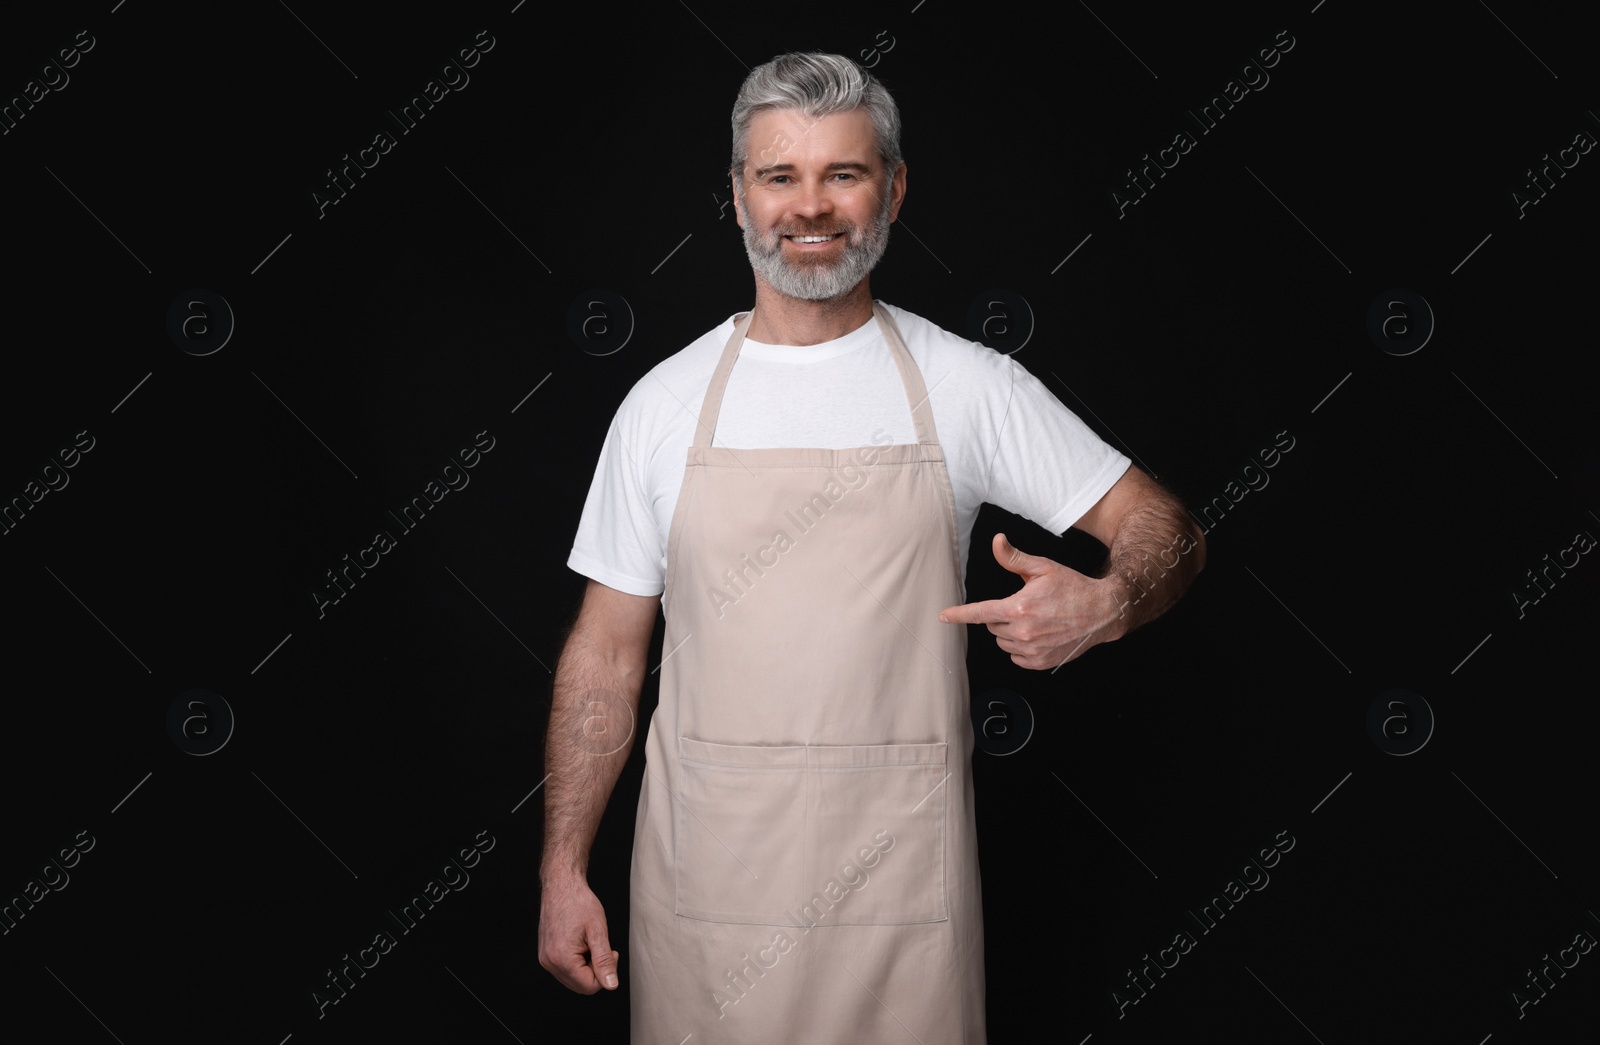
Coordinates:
(948, 352)
(684, 373)
(695, 355)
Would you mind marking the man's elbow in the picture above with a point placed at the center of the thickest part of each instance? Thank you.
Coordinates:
(1188, 537)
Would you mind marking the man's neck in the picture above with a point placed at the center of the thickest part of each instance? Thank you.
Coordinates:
(783, 320)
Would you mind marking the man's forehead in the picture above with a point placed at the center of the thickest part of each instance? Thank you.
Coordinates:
(790, 136)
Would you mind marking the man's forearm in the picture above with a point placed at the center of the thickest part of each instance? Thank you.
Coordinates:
(1155, 553)
(594, 710)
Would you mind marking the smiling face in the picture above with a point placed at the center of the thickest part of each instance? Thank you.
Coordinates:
(815, 202)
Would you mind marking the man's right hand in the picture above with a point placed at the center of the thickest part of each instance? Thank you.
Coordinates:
(573, 944)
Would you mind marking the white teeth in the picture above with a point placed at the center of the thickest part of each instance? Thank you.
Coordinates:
(811, 239)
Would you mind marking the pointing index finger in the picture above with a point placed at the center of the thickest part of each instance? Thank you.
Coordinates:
(991, 611)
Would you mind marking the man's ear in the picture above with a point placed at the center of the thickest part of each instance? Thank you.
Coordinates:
(738, 201)
(897, 191)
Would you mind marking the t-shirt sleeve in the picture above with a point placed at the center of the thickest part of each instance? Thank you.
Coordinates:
(1048, 466)
(617, 542)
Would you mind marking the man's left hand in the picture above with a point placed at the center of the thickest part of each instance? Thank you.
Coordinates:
(1056, 617)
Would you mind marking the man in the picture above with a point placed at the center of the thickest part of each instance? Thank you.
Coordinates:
(804, 863)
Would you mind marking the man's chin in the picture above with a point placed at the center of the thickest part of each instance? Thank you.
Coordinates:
(824, 298)
(818, 276)
(812, 290)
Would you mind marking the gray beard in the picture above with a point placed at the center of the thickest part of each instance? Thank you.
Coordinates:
(819, 281)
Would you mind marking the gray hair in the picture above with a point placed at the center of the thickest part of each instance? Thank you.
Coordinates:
(818, 85)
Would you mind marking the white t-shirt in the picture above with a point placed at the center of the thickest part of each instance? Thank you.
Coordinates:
(1007, 439)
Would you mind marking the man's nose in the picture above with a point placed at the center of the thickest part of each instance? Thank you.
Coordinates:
(814, 200)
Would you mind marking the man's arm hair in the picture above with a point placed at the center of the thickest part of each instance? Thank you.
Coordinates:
(593, 718)
(1155, 547)
(1156, 552)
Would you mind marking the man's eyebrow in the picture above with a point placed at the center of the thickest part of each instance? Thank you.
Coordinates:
(789, 168)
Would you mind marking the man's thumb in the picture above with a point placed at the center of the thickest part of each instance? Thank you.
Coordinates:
(604, 960)
(1008, 556)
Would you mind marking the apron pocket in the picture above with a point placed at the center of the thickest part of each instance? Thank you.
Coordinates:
(740, 829)
(812, 836)
(877, 820)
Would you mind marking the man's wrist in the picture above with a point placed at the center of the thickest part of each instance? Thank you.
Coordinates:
(556, 873)
(1123, 595)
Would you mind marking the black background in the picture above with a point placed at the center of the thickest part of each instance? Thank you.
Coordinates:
(588, 151)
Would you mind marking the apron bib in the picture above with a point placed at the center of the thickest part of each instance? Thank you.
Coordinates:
(805, 854)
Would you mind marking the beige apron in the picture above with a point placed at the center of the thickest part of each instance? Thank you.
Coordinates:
(805, 857)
